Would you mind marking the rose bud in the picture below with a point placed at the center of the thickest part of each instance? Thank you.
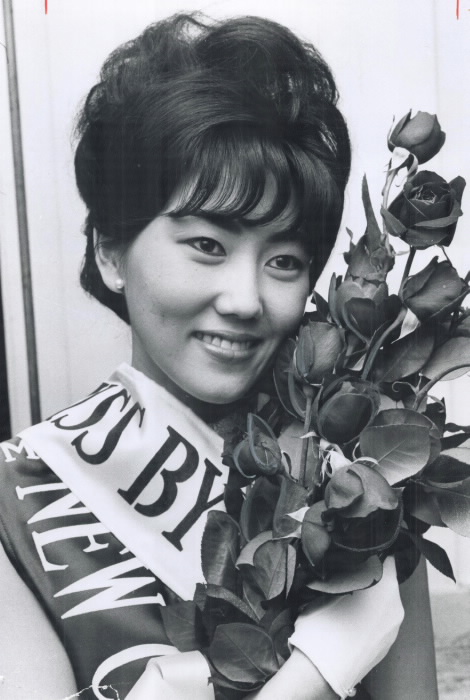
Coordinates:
(342, 292)
(426, 211)
(288, 387)
(351, 289)
(363, 512)
(365, 316)
(344, 408)
(435, 291)
(421, 135)
(314, 536)
(259, 452)
(317, 351)
(367, 264)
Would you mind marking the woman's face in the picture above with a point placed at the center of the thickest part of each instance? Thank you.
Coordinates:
(209, 304)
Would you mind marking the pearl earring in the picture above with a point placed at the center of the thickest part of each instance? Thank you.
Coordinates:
(119, 284)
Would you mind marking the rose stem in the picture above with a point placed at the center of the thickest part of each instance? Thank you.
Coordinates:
(316, 483)
(375, 349)
(391, 175)
(407, 269)
(398, 320)
(444, 252)
(308, 393)
(427, 387)
(454, 322)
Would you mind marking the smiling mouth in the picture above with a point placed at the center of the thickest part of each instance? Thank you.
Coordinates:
(226, 343)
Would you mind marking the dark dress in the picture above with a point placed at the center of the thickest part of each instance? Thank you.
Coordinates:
(100, 599)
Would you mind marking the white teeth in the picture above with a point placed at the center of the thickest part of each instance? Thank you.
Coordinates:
(218, 341)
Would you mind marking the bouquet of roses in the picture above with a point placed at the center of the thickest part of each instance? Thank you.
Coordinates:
(353, 461)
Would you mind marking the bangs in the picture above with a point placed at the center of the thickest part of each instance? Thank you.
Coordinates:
(229, 173)
(233, 120)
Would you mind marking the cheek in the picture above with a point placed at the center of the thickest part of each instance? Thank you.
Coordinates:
(156, 288)
(289, 309)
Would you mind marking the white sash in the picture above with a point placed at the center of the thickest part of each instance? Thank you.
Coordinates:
(145, 465)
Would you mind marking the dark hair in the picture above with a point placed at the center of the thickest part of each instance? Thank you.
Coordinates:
(210, 109)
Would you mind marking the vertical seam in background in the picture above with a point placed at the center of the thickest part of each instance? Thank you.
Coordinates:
(23, 235)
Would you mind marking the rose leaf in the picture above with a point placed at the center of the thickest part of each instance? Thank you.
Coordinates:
(280, 629)
(377, 492)
(404, 357)
(373, 234)
(291, 498)
(237, 606)
(434, 554)
(281, 371)
(363, 576)
(454, 506)
(454, 428)
(406, 416)
(257, 511)
(321, 304)
(400, 450)
(243, 653)
(253, 597)
(394, 226)
(219, 550)
(458, 440)
(422, 505)
(450, 469)
(270, 567)
(248, 552)
(183, 625)
(453, 353)
(291, 564)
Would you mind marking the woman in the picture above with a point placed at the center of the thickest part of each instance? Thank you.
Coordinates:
(212, 160)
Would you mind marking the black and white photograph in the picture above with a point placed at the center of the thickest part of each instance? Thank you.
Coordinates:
(234, 350)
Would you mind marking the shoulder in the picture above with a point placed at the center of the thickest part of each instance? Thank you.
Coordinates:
(25, 657)
(22, 474)
(20, 467)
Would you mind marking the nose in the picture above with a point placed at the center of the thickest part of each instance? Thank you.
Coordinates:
(239, 293)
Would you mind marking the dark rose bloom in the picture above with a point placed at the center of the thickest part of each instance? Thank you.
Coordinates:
(317, 351)
(421, 135)
(344, 408)
(435, 291)
(362, 511)
(426, 211)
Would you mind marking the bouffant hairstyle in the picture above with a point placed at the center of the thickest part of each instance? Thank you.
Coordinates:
(209, 110)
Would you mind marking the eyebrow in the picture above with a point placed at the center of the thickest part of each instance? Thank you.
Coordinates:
(233, 226)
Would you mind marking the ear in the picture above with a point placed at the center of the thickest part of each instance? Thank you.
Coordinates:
(109, 262)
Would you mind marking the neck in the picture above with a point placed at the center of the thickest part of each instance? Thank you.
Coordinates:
(210, 413)
(214, 413)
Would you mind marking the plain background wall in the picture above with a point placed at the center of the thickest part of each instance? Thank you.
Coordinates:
(387, 56)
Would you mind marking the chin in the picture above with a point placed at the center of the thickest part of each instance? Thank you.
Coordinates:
(223, 396)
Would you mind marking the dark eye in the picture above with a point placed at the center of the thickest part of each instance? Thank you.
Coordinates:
(285, 262)
(207, 245)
